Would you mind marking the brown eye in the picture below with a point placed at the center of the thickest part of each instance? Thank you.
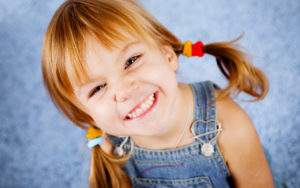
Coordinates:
(130, 61)
(96, 89)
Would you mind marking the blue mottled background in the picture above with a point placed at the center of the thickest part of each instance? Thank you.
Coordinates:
(41, 148)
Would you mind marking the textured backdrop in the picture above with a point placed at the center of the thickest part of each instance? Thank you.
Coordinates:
(41, 148)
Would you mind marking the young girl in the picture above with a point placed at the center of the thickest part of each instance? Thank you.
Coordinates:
(110, 66)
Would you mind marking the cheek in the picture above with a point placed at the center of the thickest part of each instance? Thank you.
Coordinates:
(105, 118)
(101, 113)
(158, 69)
(105, 121)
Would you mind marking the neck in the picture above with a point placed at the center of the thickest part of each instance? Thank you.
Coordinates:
(178, 133)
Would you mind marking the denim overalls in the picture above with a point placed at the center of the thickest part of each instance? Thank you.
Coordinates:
(184, 167)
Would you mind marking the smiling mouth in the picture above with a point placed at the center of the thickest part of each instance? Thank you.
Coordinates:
(143, 108)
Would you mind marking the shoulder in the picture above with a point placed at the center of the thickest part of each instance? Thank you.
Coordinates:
(234, 119)
(240, 146)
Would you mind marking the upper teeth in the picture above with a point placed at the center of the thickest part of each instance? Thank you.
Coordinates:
(142, 107)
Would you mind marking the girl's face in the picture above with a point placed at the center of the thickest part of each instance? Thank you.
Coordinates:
(132, 89)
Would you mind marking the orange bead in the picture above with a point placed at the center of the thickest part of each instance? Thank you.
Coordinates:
(187, 49)
(94, 132)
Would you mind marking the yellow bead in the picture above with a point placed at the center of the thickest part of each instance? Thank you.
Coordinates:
(94, 132)
(187, 49)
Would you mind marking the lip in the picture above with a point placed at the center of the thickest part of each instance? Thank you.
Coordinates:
(146, 112)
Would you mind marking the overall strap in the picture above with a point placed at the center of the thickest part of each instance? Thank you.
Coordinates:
(205, 109)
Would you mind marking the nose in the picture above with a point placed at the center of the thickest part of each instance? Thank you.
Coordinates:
(125, 91)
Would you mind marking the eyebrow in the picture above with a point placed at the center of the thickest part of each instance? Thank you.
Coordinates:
(128, 46)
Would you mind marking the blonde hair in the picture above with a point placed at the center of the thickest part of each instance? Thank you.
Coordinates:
(109, 21)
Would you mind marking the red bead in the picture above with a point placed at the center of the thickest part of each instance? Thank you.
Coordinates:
(197, 49)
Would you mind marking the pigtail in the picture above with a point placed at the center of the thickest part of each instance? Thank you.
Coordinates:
(239, 71)
(106, 170)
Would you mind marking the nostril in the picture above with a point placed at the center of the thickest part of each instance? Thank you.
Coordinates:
(125, 91)
(120, 98)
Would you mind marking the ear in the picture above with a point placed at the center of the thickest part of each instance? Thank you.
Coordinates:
(171, 56)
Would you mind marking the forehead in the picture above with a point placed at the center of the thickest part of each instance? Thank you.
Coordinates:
(95, 48)
(94, 44)
(98, 56)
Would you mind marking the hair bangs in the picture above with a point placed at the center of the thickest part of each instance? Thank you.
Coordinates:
(108, 24)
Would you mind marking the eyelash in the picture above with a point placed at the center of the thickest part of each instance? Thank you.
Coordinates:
(96, 89)
(129, 61)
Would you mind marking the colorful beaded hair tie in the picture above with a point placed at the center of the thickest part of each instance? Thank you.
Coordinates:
(94, 137)
(190, 49)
